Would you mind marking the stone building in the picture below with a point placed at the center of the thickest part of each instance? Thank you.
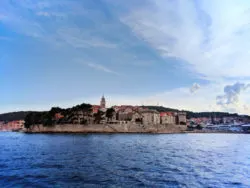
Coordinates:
(1, 125)
(124, 113)
(181, 118)
(137, 118)
(102, 106)
(150, 117)
(12, 125)
(81, 117)
(168, 118)
(124, 116)
(95, 109)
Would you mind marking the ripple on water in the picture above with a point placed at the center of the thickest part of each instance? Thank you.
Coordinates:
(2, 166)
(124, 160)
(44, 165)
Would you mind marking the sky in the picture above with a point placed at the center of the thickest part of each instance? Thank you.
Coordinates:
(191, 55)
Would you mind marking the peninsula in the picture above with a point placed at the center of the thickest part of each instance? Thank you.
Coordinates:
(87, 118)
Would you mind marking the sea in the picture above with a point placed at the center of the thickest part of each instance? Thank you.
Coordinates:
(124, 160)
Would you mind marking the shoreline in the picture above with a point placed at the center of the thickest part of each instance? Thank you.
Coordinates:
(153, 133)
(119, 129)
(188, 132)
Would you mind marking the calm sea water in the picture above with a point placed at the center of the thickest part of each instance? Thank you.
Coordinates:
(124, 160)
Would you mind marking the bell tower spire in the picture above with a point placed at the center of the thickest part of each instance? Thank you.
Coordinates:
(103, 102)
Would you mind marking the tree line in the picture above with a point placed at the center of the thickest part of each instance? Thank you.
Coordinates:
(48, 118)
(191, 114)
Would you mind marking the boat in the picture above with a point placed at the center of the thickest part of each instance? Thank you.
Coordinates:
(246, 128)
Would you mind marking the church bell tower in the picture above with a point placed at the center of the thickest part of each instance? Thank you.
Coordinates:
(103, 102)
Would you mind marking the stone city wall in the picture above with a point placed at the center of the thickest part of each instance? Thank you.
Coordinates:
(106, 128)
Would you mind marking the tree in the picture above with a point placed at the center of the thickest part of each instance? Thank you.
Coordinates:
(29, 120)
(13, 116)
(98, 116)
(84, 122)
(110, 113)
(47, 120)
(34, 118)
(55, 110)
(199, 127)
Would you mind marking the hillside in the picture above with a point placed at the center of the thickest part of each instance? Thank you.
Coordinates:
(12, 116)
(22, 114)
(195, 114)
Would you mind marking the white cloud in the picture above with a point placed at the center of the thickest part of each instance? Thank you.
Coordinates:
(101, 68)
(50, 14)
(209, 35)
(60, 24)
(41, 13)
(231, 94)
(78, 38)
(212, 36)
(195, 87)
(245, 107)
(179, 98)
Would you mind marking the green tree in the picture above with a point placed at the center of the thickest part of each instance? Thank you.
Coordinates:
(109, 113)
(34, 118)
(84, 122)
(29, 120)
(98, 116)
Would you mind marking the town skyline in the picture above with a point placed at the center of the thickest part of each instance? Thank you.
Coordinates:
(136, 117)
(190, 55)
(108, 104)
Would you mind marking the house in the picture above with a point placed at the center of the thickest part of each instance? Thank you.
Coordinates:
(1, 125)
(124, 113)
(181, 118)
(58, 116)
(13, 125)
(124, 116)
(128, 114)
(95, 108)
(150, 117)
(137, 117)
(81, 117)
(168, 118)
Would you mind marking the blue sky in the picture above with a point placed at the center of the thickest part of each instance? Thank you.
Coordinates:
(180, 54)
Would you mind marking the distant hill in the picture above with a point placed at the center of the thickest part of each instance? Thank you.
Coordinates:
(12, 116)
(22, 114)
(161, 108)
(195, 114)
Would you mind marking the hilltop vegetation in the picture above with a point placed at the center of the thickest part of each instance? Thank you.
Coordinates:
(49, 119)
(191, 114)
(12, 116)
